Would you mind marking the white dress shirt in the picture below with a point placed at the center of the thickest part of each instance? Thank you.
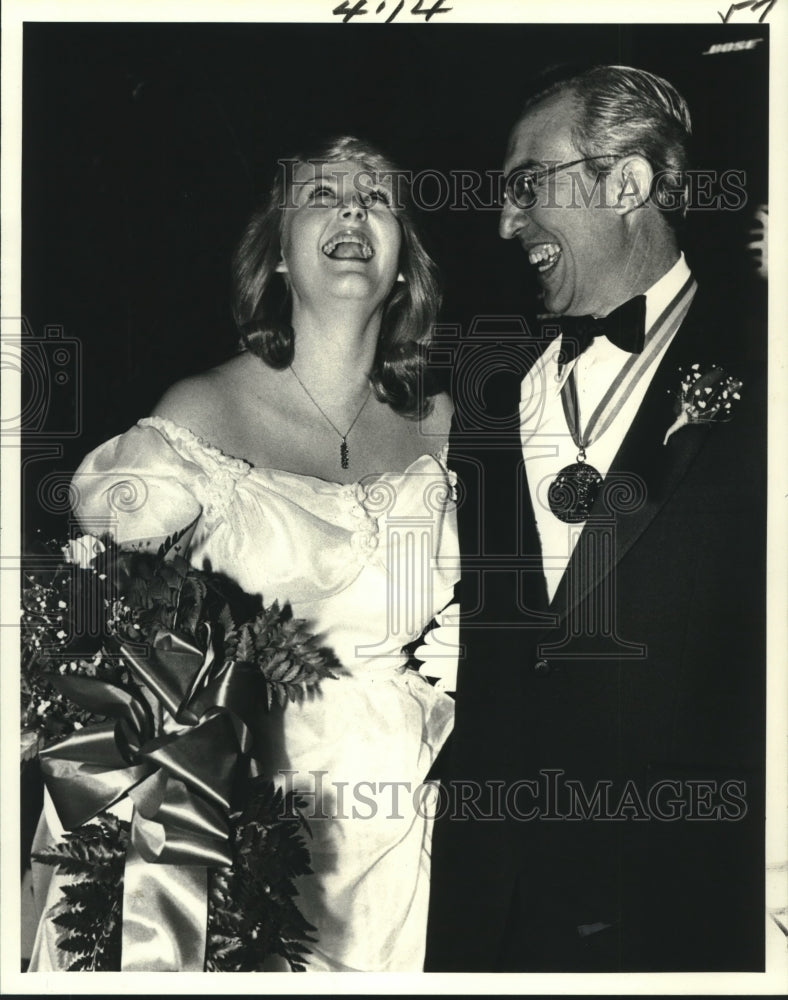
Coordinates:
(547, 443)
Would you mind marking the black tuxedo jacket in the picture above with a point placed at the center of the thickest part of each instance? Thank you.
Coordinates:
(603, 803)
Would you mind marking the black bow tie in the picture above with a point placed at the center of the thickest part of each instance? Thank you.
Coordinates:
(625, 327)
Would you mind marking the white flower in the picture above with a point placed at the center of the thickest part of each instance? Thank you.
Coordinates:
(716, 386)
(439, 653)
(83, 550)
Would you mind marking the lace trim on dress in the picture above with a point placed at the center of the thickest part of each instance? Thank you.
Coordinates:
(191, 443)
(222, 472)
(366, 499)
(364, 540)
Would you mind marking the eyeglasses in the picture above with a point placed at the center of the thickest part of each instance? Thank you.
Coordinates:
(520, 184)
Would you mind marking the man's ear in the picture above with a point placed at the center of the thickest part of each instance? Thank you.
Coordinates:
(635, 177)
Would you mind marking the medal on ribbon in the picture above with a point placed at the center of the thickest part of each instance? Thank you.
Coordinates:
(575, 489)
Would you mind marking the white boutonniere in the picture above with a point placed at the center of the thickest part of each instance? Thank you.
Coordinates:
(706, 396)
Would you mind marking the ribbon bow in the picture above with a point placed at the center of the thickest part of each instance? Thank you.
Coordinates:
(180, 783)
(625, 327)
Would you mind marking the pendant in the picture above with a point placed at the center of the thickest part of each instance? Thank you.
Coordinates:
(573, 491)
(344, 455)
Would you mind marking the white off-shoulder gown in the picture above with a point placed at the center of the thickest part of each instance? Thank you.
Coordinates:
(367, 565)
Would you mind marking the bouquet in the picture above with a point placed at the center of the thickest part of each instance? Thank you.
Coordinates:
(144, 678)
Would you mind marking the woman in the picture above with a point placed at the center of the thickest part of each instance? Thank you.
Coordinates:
(312, 459)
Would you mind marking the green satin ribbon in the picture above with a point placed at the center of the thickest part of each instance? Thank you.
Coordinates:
(170, 935)
(180, 784)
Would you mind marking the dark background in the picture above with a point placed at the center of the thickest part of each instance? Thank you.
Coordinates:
(146, 147)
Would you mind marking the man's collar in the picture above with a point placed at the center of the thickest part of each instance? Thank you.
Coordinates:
(663, 290)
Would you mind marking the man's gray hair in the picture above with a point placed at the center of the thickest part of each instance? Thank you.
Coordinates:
(621, 110)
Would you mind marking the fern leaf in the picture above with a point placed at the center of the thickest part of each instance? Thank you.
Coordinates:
(170, 542)
(81, 964)
(245, 648)
(225, 619)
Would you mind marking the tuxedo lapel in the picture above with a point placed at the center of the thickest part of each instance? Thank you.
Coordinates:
(643, 464)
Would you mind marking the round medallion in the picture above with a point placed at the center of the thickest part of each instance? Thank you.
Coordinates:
(573, 491)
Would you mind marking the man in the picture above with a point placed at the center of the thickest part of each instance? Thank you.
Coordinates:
(603, 805)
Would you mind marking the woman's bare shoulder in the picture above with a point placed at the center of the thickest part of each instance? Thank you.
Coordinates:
(204, 402)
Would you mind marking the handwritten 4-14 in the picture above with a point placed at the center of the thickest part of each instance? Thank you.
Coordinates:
(347, 12)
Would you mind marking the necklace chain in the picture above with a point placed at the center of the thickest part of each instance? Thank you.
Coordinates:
(344, 454)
